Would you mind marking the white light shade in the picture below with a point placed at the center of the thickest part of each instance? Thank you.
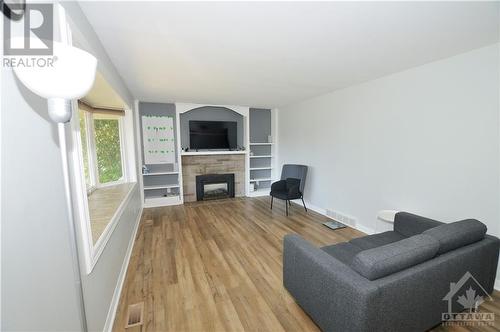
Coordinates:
(71, 75)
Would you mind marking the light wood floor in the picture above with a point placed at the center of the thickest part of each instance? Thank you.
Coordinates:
(217, 266)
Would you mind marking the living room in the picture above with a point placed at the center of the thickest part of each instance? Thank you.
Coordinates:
(257, 166)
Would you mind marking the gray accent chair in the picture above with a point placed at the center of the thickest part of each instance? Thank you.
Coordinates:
(391, 281)
(291, 186)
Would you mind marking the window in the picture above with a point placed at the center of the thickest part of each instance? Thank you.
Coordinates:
(108, 148)
(101, 143)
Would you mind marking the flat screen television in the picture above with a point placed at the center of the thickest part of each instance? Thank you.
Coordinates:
(212, 135)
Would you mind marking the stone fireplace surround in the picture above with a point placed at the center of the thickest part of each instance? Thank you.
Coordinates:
(193, 165)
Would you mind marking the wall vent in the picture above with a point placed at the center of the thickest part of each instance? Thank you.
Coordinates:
(135, 315)
(341, 217)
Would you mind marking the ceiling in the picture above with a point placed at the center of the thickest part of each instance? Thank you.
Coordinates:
(103, 95)
(270, 54)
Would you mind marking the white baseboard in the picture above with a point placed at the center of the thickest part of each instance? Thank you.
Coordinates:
(322, 211)
(108, 325)
(497, 284)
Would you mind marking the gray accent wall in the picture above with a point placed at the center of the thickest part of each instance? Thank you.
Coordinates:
(157, 109)
(260, 125)
(210, 113)
(37, 277)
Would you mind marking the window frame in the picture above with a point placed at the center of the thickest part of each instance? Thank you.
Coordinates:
(93, 149)
(91, 250)
(93, 168)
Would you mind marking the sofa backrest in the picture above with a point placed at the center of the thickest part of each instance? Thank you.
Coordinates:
(384, 260)
(457, 234)
(408, 224)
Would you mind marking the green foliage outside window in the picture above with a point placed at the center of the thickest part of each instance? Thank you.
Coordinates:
(107, 142)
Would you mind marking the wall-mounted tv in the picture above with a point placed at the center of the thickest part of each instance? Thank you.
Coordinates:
(212, 135)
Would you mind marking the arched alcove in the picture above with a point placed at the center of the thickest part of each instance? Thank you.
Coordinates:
(210, 113)
(200, 112)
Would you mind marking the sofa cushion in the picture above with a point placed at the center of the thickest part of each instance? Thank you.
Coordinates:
(457, 234)
(382, 261)
(344, 252)
(377, 240)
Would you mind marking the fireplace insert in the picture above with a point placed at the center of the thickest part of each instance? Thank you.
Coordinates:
(214, 186)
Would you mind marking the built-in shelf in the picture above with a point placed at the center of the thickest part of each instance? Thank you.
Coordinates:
(260, 168)
(161, 201)
(266, 156)
(260, 192)
(201, 153)
(161, 187)
(261, 180)
(261, 143)
(161, 173)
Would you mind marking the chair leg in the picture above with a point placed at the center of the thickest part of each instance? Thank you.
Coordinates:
(272, 198)
(290, 203)
(303, 203)
(286, 204)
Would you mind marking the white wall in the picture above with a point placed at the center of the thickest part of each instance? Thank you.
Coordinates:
(425, 140)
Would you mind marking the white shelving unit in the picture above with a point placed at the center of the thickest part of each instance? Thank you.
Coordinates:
(161, 186)
(262, 156)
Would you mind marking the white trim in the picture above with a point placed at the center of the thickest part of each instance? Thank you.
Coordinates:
(201, 153)
(151, 202)
(138, 148)
(259, 192)
(160, 173)
(267, 156)
(261, 180)
(167, 186)
(497, 284)
(186, 107)
(90, 251)
(180, 179)
(322, 211)
(99, 246)
(115, 300)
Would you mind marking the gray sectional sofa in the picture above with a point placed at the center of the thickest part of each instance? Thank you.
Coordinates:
(391, 281)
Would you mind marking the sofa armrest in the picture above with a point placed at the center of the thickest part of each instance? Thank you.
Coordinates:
(408, 224)
(334, 295)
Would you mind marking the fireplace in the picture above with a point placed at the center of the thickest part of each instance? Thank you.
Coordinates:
(214, 186)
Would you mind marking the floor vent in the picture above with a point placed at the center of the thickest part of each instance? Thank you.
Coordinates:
(135, 314)
(342, 218)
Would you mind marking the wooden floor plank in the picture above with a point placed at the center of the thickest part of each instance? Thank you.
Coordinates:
(217, 266)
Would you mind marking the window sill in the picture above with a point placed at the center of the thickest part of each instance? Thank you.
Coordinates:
(106, 206)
